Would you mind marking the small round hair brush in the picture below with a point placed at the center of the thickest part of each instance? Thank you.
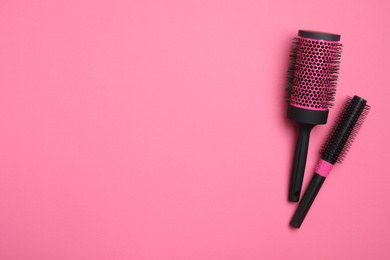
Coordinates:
(311, 86)
(334, 150)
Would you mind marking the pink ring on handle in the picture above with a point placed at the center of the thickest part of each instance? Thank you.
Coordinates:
(323, 168)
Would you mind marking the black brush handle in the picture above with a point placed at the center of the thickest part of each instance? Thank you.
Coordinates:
(299, 163)
(307, 200)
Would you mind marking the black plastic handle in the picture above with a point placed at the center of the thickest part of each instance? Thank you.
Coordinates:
(307, 200)
(299, 163)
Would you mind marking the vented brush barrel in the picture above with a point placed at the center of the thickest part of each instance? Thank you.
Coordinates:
(316, 64)
(311, 88)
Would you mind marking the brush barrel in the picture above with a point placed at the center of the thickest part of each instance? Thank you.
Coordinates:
(348, 124)
(315, 70)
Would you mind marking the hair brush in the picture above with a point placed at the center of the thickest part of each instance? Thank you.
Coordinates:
(311, 86)
(334, 150)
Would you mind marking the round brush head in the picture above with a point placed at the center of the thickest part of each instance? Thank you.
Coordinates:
(345, 129)
(311, 82)
(313, 73)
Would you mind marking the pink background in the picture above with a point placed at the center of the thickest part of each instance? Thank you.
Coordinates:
(157, 130)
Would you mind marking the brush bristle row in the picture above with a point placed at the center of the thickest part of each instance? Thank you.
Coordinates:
(345, 129)
(291, 68)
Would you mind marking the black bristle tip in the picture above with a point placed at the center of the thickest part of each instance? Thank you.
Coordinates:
(291, 68)
(345, 129)
(335, 76)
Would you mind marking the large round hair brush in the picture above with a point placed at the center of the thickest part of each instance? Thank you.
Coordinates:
(334, 150)
(311, 86)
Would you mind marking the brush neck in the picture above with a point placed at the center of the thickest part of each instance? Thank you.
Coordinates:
(307, 116)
